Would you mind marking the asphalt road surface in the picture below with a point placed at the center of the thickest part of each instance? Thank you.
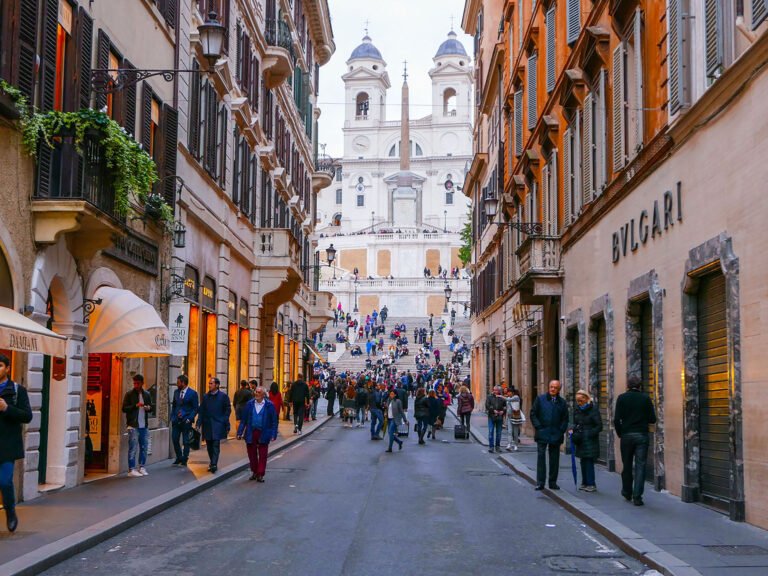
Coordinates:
(337, 504)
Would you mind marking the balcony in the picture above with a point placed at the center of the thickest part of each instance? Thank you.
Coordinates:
(277, 63)
(321, 310)
(323, 175)
(74, 195)
(278, 258)
(540, 269)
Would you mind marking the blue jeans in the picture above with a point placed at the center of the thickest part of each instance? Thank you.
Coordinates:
(6, 486)
(494, 426)
(137, 439)
(587, 471)
(377, 420)
(181, 430)
(313, 408)
(392, 430)
(634, 446)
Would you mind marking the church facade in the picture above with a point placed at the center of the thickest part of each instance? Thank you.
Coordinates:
(394, 212)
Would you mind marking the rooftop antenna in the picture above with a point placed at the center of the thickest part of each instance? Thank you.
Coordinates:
(405, 70)
(366, 26)
(452, 19)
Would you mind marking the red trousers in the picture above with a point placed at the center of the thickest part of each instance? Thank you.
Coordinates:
(257, 454)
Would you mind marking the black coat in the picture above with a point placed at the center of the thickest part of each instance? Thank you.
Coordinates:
(299, 392)
(587, 426)
(550, 419)
(18, 412)
(421, 407)
(131, 409)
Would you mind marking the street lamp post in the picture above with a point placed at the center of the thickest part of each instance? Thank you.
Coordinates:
(373, 216)
(447, 292)
(445, 222)
(355, 309)
(531, 228)
(330, 254)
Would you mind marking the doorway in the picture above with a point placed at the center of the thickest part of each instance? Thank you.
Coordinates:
(97, 411)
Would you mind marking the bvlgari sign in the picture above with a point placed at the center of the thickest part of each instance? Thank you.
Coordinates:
(649, 224)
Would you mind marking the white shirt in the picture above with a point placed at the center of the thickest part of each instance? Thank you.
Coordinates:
(259, 406)
(390, 410)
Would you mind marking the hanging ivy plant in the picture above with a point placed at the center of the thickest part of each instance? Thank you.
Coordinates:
(16, 96)
(133, 170)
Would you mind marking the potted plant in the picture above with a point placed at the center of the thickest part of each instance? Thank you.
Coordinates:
(13, 104)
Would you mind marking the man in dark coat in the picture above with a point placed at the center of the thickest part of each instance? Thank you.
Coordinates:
(330, 397)
(214, 421)
(634, 413)
(299, 398)
(183, 412)
(549, 416)
(14, 411)
(241, 398)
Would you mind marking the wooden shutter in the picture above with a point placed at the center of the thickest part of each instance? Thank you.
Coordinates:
(84, 50)
(169, 12)
(170, 140)
(546, 214)
(551, 55)
(576, 169)
(193, 136)
(759, 12)
(713, 37)
(532, 104)
(554, 201)
(619, 129)
(209, 124)
(129, 112)
(28, 11)
(677, 57)
(221, 147)
(255, 88)
(639, 112)
(102, 62)
(601, 119)
(238, 51)
(48, 63)
(567, 175)
(146, 116)
(588, 152)
(518, 123)
(253, 192)
(236, 169)
(573, 20)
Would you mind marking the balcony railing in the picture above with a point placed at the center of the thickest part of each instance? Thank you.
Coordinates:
(539, 255)
(277, 33)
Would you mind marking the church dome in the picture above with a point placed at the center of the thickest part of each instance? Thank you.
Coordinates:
(451, 47)
(366, 50)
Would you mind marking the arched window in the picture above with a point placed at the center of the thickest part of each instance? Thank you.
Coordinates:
(393, 150)
(449, 102)
(419, 151)
(337, 219)
(415, 149)
(361, 105)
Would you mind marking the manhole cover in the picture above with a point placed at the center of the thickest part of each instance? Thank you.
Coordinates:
(487, 473)
(586, 565)
(738, 550)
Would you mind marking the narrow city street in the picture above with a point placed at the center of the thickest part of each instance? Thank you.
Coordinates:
(336, 503)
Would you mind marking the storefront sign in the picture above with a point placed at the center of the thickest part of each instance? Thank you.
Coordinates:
(179, 328)
(58, 368)
(93, 410)
(243, 313)
(637, 232)
(232, 307)
(209, 293)
(191, 283)
(135, 251)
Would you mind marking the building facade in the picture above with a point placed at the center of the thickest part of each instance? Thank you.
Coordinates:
(393, 212)
(613, 117)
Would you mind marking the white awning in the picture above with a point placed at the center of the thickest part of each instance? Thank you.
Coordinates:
(17, 332)
(126, 325)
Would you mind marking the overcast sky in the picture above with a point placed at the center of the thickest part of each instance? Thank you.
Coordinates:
(402, 30)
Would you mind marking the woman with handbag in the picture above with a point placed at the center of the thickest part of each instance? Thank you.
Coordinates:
(587, 426)
(349, 406)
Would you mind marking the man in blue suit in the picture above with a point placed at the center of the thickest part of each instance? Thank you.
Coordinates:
(183, 412)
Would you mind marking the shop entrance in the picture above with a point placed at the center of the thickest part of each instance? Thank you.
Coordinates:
(601, 353)
(97, 411)
(714, 391)
(648, 377)
(574, 369)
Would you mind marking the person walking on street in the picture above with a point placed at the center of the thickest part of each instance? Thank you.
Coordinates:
(587, 426)
(465, 406)
(183, 412)
(299, 398)
(421, 413)
(258, 428)
(515, 419)
(136, 407)
(213, 419)
(349, 406)
(634, 414)
(14, 411)
(435, 408)
(376, 400)
(330, 397)
(395, 417)
(495, 406)
(549, 416)
(275, 397)
(314, 398)
(241, 398)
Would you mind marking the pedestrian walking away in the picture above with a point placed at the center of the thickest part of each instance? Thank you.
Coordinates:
(395, 418)
(299, 397)
(634, 414)
(587, 426)
(136, 407)
(275, 397)
(14, 411)
(330, 396)
(465, 406)
(241, 398)
(421, 413)
(495, 406)
(258, 428)
(214, 421)
(376, 400)
(549, 416)
(184, 409)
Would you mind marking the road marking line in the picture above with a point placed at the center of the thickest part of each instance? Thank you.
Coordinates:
(601, 548)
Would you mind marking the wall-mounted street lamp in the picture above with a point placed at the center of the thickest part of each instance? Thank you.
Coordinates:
(491, 203)
(111, 80)
(179, 235)
(330, 256)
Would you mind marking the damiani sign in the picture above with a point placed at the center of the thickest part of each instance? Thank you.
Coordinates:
(649, 225)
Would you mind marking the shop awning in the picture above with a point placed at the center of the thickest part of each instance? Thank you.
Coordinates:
(17, 332)
(126, 325)
(311, 346)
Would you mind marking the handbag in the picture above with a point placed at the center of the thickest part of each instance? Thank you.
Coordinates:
(194, 439)
(403, 430)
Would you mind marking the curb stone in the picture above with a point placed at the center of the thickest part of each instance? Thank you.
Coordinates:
(51, 554)
(629, 541)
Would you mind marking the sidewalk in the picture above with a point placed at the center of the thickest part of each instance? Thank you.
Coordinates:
(57, 526)
(675, 538)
